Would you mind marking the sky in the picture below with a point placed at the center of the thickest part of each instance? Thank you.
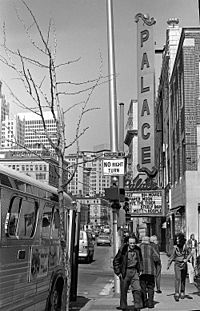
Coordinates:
(81, 31)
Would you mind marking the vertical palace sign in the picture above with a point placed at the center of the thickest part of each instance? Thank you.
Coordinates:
(146, 93)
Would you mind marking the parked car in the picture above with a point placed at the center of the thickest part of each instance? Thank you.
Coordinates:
(86, 246)
(104, 239)
(93, 234)
(106, 229)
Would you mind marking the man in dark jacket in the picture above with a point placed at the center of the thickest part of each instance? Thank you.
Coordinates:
(127, 265)
(147, 279)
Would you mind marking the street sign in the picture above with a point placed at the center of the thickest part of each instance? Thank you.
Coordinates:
(113, 167)
(111, 154)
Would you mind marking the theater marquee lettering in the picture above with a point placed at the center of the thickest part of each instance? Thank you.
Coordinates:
(145, 73)
(146, 203)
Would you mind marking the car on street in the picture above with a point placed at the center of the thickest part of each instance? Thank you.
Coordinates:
(103, 239)
(106, 229)
(86, 246)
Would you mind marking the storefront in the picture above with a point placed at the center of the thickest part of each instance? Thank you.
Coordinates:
(175, 223)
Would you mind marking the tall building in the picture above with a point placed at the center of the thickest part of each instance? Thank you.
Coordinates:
(178, 138)
(4, 112)
(94, 211)
(34, 135)
(89, 179)
(131, 139)
(12, 133)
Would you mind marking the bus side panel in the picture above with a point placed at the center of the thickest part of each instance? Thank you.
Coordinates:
(21, 288)
(14, 262)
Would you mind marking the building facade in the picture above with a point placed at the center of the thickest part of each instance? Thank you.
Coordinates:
(12, 133)
(131, 140)
(34, 135)
(95, 211)
(178, 135)
(89, 179)
(41, 167)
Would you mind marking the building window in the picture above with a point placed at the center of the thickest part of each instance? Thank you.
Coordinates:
(40, 176)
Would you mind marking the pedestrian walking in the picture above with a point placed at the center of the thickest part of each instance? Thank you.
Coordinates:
(192, 245)
(180, 255)
(158, 266)
(147, 279)
(127, 265)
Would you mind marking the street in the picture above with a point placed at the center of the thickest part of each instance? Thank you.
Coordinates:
(95, 276)
(95, 287)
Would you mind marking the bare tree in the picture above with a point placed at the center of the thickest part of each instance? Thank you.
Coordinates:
(46, 92)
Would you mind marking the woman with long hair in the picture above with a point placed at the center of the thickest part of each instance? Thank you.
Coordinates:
(180, 255)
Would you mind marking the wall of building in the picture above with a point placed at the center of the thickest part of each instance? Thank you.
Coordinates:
(192, 203)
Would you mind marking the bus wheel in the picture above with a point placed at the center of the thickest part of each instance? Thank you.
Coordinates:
(56, 296)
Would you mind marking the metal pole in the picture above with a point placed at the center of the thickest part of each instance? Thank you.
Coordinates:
(121, 127)
(113, 117)
(112, 79)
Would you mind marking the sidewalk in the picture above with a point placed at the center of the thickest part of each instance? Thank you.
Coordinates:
(108, 301)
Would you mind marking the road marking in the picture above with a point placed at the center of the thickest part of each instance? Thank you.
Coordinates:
(107, 288)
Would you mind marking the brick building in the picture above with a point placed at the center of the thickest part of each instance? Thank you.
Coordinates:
(178, 133)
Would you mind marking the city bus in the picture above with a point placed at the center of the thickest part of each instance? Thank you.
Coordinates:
(31, 274)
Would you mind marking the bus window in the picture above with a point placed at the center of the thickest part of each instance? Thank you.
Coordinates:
(12, 217)
(27, 219)
(19, 185)
(5, 180)
(56, 225)
(46, 220)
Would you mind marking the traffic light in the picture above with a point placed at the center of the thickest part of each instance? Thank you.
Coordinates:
(114, 183)
(115, 204)
(112, 193)
(115, 194)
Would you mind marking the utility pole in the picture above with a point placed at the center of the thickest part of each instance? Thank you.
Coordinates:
(113, 117)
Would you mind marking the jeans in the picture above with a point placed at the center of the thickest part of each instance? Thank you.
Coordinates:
(180, 278)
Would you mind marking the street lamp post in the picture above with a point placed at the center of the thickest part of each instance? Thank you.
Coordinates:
(113, 118)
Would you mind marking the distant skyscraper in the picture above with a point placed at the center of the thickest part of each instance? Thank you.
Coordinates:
(131, 139)
(4, 111)
(89, 179)
(35, 136)
(12, 133)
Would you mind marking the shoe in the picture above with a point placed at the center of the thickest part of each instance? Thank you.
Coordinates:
(176, 297)
(182, 295)
(145, 305)
(159, 291)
